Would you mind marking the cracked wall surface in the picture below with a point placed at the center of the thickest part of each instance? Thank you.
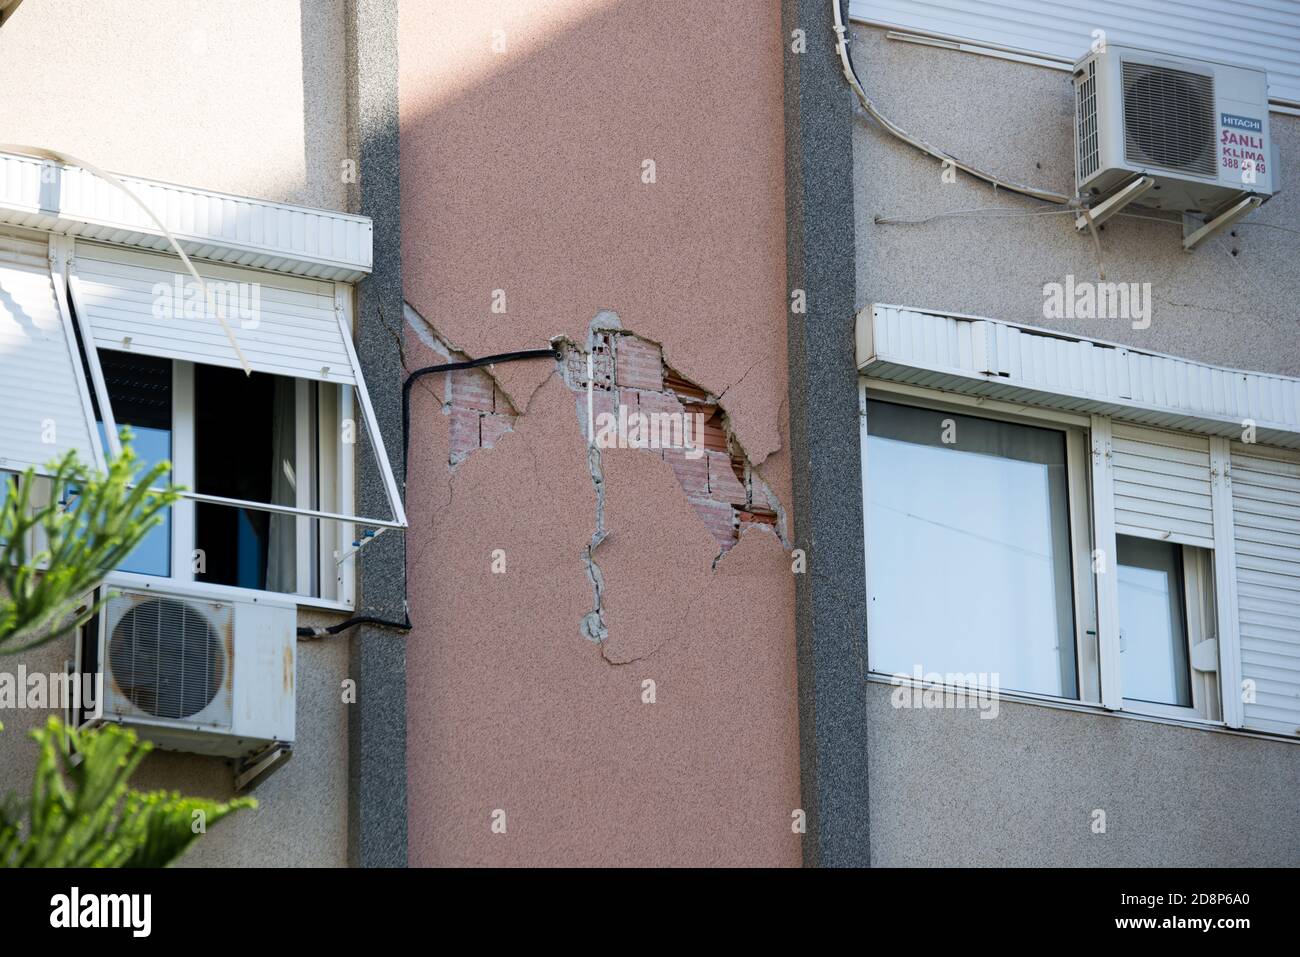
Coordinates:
(615, 566)
(630, 379)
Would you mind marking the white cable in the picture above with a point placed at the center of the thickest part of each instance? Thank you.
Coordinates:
(57, 157)
(995, 212)
(842, 45)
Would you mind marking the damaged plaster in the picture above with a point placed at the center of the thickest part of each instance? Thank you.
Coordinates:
(722, 486)
(480, 412)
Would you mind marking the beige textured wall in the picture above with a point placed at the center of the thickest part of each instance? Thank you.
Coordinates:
(242, 96)
(301, 819)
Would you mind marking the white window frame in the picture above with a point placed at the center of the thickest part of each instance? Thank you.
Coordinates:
(1092, 529)
(1074, 429)
(335, 550)
(995, 364)
(319, 544)
(1198, 594)
(1221, 558)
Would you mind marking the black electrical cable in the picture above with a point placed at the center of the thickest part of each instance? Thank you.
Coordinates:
(454, 367)
(310, 632)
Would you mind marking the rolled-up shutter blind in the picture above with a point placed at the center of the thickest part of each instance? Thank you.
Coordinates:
(1266, 537)
(1162, 486)
(44, 409)
(140, 302)
(1264, 34)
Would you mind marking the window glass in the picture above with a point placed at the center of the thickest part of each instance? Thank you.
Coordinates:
(1152, 624)
(244, 442)
(968, 546)
(140, 389)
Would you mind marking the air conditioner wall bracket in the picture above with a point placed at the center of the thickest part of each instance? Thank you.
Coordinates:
(1116, 201)
(256, 768)
(1196, 231)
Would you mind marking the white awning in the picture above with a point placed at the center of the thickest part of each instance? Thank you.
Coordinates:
(45, 407)
(1019, 363)
(1263, 34)
(319, 243)
(130, 301)
(148, 304)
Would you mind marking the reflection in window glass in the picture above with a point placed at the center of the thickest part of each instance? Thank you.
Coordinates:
(968, 549)
(1152, 626)
(140, 389)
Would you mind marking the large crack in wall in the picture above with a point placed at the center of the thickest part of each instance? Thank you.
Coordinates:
(628, 380)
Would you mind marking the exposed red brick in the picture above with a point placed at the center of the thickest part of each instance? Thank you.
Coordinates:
(464, 431)
(638, 364)
(723, 484)
(692, 474)
(500, 404)
(687, 390)
(715, 436)
(738, 463)
(471, 389)
(719, 519)
(492, 427)
(655, 401)
(712, 482)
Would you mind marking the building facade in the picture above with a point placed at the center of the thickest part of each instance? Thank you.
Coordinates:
(1172, 785)
(243, 127)
(858, 501)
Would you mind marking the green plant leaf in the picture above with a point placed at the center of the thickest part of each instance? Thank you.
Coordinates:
(83, 814)
(90, 524)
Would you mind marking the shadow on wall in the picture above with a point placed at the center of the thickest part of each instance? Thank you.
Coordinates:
(561, 161)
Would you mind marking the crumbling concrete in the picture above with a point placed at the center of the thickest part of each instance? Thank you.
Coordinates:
(629, 378)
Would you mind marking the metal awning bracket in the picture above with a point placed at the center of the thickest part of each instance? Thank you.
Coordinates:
(1196, 232)
(1116, 201)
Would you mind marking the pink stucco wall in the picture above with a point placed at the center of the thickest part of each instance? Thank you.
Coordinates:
(522, 161)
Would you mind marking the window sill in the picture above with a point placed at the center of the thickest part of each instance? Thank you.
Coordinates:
(1065, 704)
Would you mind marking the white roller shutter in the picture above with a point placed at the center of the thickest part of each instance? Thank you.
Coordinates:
(1266, 535)
(1264, 34)
(1162, 485)
(145, 303)
(44, 402)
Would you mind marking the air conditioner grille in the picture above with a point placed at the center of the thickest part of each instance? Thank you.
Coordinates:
(1086, 140)
(1169, 119)
(166, 657)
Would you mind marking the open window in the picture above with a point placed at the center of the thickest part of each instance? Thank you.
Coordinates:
(267, 457)
(1161, 523)
(1169, 658)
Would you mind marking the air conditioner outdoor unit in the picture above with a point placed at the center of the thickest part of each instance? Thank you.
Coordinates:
(191, 673)
(1171, 133)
